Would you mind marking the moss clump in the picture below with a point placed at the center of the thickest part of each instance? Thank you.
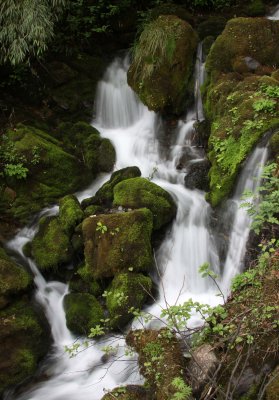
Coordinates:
(140, 192)
(93, 210)
(104, 196)
(13, 278)
(23, 342)
(245, 37)
(51, 247)
(52, 171)
(114, 243)
(127, 290)
(70, 213)
(86, 143)
(162, 64)
(160, 360)
(83, 312)
(83, 282)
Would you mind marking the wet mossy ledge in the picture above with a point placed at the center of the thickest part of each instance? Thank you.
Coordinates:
(241, 97)
(55, 163)
(162, 64)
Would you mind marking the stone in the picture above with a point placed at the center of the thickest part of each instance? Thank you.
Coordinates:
(114, 243)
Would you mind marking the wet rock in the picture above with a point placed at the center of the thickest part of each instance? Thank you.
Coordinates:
(24, 342)
(272, 390)
(104, 196)
(83, 312)
(114, 243)
(51, 246)
(162, 66)
(140, 192)
(83, 282)
(213, 26)
(70, 213)
(14, 280)
(201, 367)
(126, 290)
(197, 175)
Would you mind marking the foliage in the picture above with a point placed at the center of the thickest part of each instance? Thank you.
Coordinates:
(183, 391)
(264, 205)
(26, 27)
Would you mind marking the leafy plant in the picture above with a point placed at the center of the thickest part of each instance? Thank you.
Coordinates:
(101, 227)
(183, 391)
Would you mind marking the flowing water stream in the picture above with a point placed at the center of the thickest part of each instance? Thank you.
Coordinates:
(139, 139)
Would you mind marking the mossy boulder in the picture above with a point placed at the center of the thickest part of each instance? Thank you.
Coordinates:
(162, 65)
(272, 390)
(85, 142)
(52, 171)
(104, 196)
(129, 392)
(197, 176)
(83, 312)
(14, 280)
(140, 192)
(114, 243)
(257, 38)
(160, 360)
(127, 290)
(83, 282)
(23, 343)
(70, 213)
(51, 246)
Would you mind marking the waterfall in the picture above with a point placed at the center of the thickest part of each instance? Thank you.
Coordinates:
(135, 133)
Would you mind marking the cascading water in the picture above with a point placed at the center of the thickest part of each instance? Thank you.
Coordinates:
(134, 132)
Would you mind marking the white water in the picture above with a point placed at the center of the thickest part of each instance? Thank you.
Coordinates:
(135, 133)
(274, 15)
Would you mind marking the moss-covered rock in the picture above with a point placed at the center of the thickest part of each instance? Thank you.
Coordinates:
(51, 246)
(129, 392)
(70, 213)
(272, 390)
(140, 192)
(160, 360)
(162, 65)
(104, 196)
(23, 343)
(241, 105)
(127, 290)
(92, 210)
(85, 141)
(52, 171)
(245, 37)
(14, 280)
(116, 242)
(83, 282)
(83, 312)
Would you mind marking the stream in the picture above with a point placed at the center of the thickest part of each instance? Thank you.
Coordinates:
(139, 139)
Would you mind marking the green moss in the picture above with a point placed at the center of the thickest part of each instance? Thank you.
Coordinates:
(106, 156)
(70, 213)
(92, 210)
(83, 312)
(51, 247)
(104, 195)
(140, 192)
(126, 290)
(237, 124)
(13, 278)
(27, 249)
(23, 343)
(125, 242)
(54, 174)
(162, 65)
(245, 37)
(272, 390)
(83, 282)
(255, 8)
(130, 392)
